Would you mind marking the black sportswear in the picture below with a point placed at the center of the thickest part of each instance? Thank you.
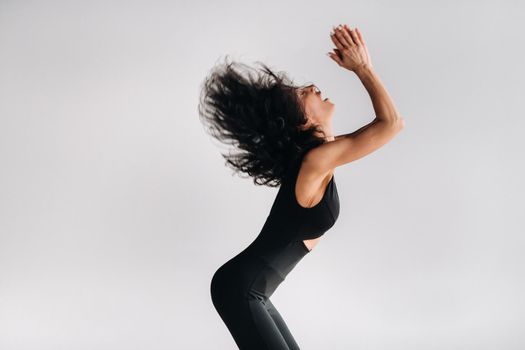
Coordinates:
(241, 287)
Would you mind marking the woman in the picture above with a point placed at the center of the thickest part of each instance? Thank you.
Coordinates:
(285, 134)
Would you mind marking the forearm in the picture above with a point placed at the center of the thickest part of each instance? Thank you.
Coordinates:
(382, 102)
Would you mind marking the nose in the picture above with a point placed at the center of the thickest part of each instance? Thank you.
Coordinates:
(312, 88)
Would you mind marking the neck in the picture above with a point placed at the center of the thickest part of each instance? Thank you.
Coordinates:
(329, 134)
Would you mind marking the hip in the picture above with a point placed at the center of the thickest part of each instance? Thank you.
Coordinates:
(245, 277)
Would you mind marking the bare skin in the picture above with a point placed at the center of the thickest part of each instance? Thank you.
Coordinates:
(319, 163)
(310, 186)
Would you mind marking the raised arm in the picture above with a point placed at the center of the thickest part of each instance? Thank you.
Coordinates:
(351, 53)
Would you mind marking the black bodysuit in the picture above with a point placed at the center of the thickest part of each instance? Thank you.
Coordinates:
(241, 288)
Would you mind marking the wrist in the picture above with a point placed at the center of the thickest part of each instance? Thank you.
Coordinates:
(363, 70)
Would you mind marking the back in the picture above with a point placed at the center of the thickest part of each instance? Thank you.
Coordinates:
(280, 241)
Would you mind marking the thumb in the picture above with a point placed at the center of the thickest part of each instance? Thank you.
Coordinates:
(335, 58)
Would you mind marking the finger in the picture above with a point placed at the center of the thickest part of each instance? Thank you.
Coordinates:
(339, 32)
(345, 31)
(336, 39)
(360, 36)
(337, 42)
(353, 35)
(335, 58)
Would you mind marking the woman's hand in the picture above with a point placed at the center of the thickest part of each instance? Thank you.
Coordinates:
(351, 52)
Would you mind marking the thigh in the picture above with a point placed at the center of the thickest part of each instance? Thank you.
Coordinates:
(251, 325)
(266, 327)
(283, 327)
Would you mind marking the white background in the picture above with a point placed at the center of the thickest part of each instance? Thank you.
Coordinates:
(116, 207)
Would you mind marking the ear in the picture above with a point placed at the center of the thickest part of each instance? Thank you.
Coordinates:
(305, 126)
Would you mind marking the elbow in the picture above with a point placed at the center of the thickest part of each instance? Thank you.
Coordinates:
(401, 122)
(397, 123)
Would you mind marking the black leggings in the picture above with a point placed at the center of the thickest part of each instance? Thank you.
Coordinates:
(250, 316)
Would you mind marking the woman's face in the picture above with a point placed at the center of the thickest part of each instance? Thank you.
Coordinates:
(318, 110)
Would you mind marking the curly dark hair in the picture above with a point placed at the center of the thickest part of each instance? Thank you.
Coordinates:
(260, 113)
